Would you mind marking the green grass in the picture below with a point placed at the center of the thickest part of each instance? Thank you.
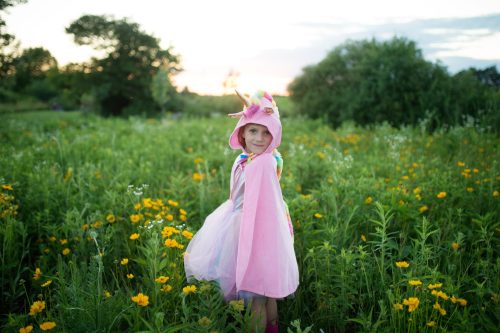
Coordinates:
(360, 201)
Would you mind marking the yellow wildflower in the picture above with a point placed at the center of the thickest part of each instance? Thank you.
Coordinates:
(440, 294)
(137, 206)
(110, 218)
(134, 218)
(183, 218)
(37, 307)
(398, 306)
(438, 307)
(461, 164)
(140, 299)
(461, 301)
(47, 326)
(415, 283)
(134, 236)
(318, 215)
(187, 234)
(166, 288)
(368, 200)
(162, 279)
(171, 243)
(434, 286)
(417, 190)
(238, 305)
(130, 276)
(431, 324)
(147, 202)
(182, 212)
(63, 241)
(97, 224)
(124, 261)
(363, 238)
(412, 303)
(107, 294)
(26, 329)
(170, 217)
(402, 264)
(37, 274)
(7, 187)
(198, 177)
(46, 284)
(204, 321)
(441, 195)
(455, 246)
(423, 209)
(496, 193)
(66, 251)
(198, 160)
(189, 289)
(470, 189)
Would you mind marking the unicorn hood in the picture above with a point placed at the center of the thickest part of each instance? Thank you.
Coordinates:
(255, 113)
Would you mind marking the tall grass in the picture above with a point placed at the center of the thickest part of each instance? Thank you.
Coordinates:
(381, 218)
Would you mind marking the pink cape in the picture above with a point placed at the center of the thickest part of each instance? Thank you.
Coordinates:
(266, 262)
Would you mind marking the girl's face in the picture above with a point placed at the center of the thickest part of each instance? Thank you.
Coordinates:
(257, 138)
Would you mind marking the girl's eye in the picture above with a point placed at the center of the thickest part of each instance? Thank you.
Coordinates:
(253, 130)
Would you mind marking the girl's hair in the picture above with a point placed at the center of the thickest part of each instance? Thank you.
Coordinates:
(241, 139)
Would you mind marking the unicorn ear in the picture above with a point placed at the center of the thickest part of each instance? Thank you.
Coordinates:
(245, 100)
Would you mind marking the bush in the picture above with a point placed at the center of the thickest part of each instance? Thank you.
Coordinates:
(372, 82)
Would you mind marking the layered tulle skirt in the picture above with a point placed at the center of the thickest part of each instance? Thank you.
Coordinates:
(212, 252)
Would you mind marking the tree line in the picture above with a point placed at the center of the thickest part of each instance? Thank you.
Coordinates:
(365, 81)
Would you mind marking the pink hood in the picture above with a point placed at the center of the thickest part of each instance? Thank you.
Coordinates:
(272, 122)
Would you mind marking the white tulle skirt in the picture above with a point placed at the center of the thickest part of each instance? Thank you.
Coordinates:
(212, 252)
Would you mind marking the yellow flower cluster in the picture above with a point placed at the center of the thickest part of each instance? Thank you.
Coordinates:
(7, 206)
(140, 299)
(402, 264)
(412, 303)
(189, 289)
(47, 326)
(37, 307)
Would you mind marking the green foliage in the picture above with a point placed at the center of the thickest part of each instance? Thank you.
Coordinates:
(371, 82)
(122, 79)
(161, 88)
(360, 201)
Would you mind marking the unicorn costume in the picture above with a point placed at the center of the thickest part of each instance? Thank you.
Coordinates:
(246, 244)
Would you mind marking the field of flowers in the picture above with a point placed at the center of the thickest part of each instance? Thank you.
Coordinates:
(395, 230)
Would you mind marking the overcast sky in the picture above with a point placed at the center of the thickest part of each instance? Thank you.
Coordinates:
(268, 42)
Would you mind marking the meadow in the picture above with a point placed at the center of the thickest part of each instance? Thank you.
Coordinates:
(396, 230)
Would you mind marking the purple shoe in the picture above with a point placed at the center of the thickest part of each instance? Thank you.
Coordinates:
(272, 328)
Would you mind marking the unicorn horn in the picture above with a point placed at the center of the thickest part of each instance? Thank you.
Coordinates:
(245, 101)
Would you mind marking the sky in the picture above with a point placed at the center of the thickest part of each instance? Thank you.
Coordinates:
(268, 42)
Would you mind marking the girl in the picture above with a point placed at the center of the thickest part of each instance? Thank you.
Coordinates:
(246, 244)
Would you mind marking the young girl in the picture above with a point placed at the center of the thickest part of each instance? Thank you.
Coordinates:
(246, 244)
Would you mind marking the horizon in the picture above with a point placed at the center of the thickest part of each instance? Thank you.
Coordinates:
(457, 33)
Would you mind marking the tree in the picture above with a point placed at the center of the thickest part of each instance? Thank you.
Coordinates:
(32, 65)
(370, 82)
(8, 50)
(122, 79)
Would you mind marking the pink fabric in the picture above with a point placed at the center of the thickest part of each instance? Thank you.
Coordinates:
(246, 244)
(266, 262)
